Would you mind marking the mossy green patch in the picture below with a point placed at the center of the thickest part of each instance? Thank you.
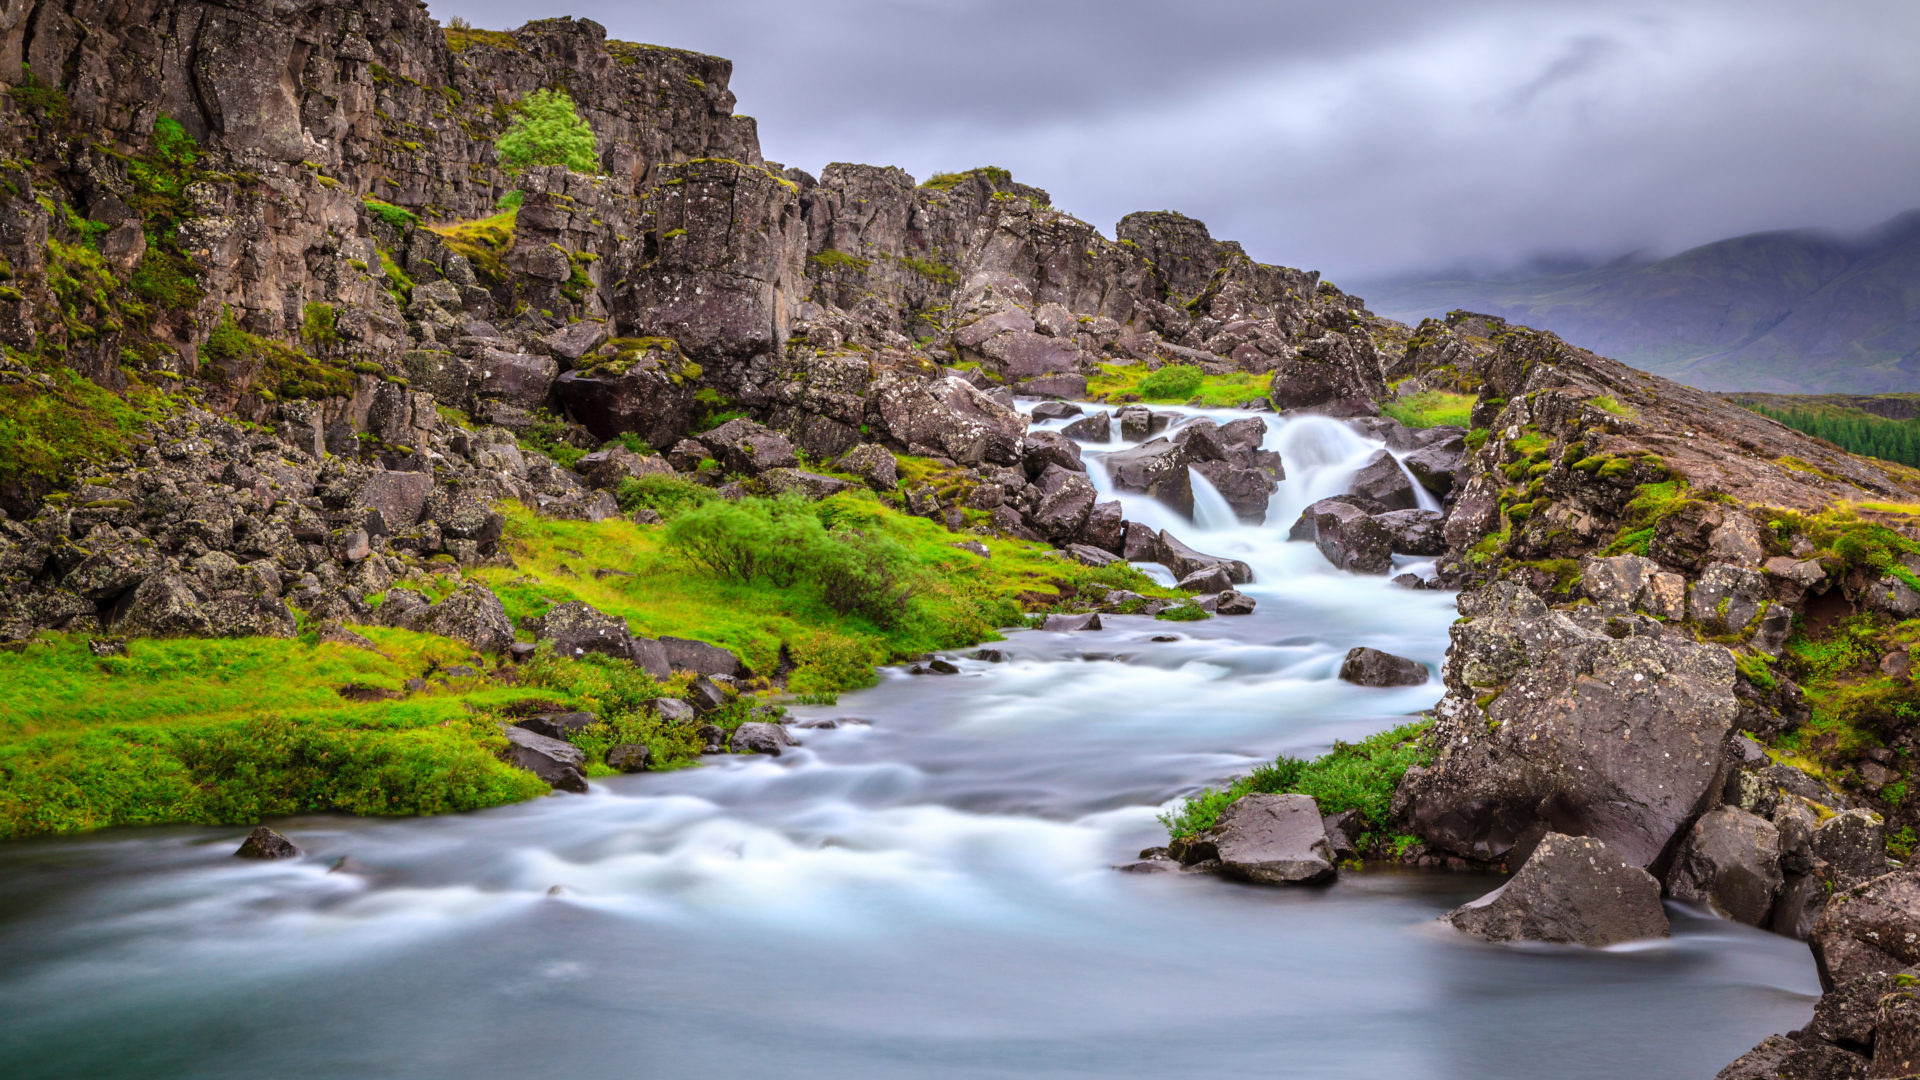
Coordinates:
(1431, 408)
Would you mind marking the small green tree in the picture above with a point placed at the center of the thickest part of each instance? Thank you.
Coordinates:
(548, 131)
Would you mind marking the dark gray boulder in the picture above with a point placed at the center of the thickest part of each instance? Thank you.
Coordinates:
(1094, 427)
(559, 725)
(873, 464)
(1415, 532)
(471, 614)
(1065, 501)
(1207, 579)
(1089, 621)
(1780, 1058)
(1157, 468)
(1349, 537)
(264, 843)
(1048, 449)
(630, 757)
(1382, 480)
(760, 737)
(1437, 466)
(1871, 927)
(1232, 603)
(577, 628)
(1183, 560)
(1730, 862)
(1551, 721)
(701, 658)
(1853, 844)
(559, 763)
(1574, 890)
(1370, 667)
(1055, 410)
(673, 710)
(1268, 839)
(1138, 423)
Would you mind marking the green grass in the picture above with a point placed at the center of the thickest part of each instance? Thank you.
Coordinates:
(1351, 776)
(230, 731)
(842, 584)
(1172, 385)
(1431, 408)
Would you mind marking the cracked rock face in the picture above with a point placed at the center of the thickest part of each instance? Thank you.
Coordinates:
(1550, 722)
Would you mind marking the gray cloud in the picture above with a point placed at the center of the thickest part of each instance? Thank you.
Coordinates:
(1362, 142)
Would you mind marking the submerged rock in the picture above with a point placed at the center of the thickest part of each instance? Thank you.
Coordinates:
(1574, 890)
(1371, 667)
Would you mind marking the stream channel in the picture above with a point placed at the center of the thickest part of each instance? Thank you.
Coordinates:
(927, 894)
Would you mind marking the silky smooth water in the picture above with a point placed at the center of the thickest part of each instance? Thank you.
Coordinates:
(924, 893)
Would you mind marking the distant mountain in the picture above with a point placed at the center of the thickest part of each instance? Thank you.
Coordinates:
(1800, 311)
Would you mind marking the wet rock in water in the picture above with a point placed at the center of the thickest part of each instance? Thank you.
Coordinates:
(1872, 927)
(1415, 581)
(1044, 448)
(264, 843)
(1055, 410)
(630, 757)
(1382, 480)
(943, 667)
(1730, 861)
(1437, 466)
(1415, 532)
(558, 763)
(1349, 537)
(1780, 1058)
(1370, 667)
(1094, 427)
(1268, 839)
(1160, 865)
(559, 725)
(1521, 750)
(1158, 468)
(760, 737)
(1207, 579)
(1233, 603)
(991, 656)
(1089, 621)
(1343, 830)
(1183, 560)
(1574, 890)
(1137, 422)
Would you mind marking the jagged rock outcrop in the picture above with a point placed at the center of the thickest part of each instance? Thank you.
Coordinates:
(1572, 890)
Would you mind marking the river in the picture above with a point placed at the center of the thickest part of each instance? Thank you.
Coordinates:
(925, 892)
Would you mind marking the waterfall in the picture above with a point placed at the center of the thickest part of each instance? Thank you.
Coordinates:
(1211, 511)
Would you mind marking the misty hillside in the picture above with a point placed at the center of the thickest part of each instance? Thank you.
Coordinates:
(1793, 311)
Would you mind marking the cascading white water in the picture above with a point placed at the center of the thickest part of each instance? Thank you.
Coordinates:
(925, 893)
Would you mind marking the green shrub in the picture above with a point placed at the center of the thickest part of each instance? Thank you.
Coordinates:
(669, 496)
(1352, 776)
(547, 131)
(318, 324)
(1188, 612)
(1174, 382)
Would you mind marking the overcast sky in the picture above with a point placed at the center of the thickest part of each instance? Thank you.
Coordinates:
(1357, 138)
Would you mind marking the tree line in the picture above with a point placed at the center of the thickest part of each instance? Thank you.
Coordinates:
(1872, 436)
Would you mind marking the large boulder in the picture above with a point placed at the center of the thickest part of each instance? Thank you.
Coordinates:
(1066, 499)
(1552, 722)
(644, 397)
(577, 628)
(760, 737)
(1157, 468)
(1382, 480)
(743, 446)
(471, 614)
(1371, 667)
(1348, 536)
(1730, 861)
(1574, 890)
(559, 763)
(1269, 839)
(1094, 427)
(948, 417)
(1415, 532)
(1436, 466)
(1183, 560)
(685, 654)
(1872, 927)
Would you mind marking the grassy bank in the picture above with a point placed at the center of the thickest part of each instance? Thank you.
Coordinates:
(1177, 384)
(810, 595)
(1352, 776)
